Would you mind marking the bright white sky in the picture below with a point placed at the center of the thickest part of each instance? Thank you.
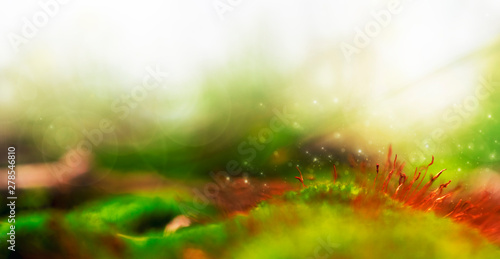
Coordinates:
(187, 35)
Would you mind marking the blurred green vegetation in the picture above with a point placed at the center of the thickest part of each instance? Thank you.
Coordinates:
(325, 219)
(188, 135)
(186, 131)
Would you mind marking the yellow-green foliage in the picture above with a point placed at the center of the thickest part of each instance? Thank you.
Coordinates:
(323, 221)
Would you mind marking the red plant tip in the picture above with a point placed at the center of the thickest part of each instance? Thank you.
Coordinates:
(440, 172)
(402, 178)
(334, 172)
(301, 178)
(376, 176)
(444, 185)
(401, 168)
(432, 162)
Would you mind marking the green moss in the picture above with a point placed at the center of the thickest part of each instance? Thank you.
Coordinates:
(305, 229)
(325, 220)
(126, 214)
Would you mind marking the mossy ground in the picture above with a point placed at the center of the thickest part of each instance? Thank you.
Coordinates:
(325, 220)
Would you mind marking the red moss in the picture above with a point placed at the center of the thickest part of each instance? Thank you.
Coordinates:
(334, 174)
(481, 211)
(389, 176)
(402, 180)
(376, 176)
(301, 178)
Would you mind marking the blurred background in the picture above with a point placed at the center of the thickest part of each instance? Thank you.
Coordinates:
(153, 97)
(355, 75)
